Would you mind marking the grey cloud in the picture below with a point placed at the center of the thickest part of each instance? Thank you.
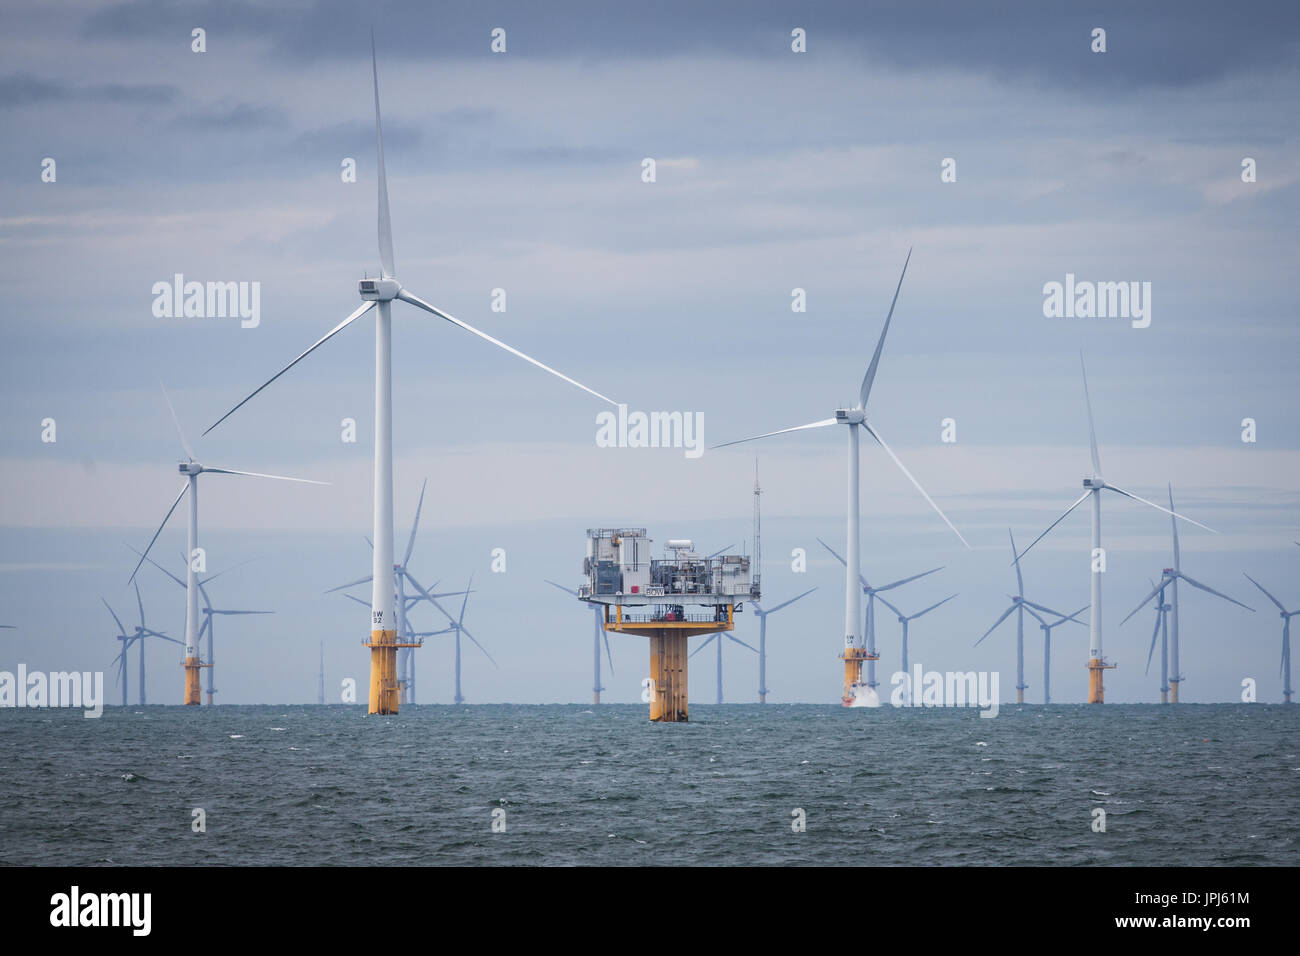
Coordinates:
(24, 89)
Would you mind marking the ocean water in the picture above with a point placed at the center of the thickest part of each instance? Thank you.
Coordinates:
(311, 785)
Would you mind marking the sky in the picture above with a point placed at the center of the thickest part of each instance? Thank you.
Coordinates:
(775, 171)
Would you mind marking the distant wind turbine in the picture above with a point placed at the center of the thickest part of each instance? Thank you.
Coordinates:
(191, 469)
(905, 619)
(1169, 578)
(718, 637)
(854, 650)
(1094, 484)
(137, 636)
(1047, 628)
(869, 625)
(762, 639)
(380, 292)
(1284, 666)
(597, 614)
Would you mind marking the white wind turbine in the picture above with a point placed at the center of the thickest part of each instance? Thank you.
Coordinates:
(1284, 666)
(905, 619)
(191, 469)
(854, 651)
(1094, 484)
(598, 617)
(380, 293)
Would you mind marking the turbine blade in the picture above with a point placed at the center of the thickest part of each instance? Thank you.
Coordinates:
(707, 642)
(352, 597)
(234, 567)
(721, 550)
(258, 474)
(1205, 587)
(1129, 494)
(406, 296)
(1266, 594)
(739, 441)
(902, 581)
(1075, 616)
(903, 468)
(870, 377)
(933, 606)
(785, 603)
(481, 648)
(159, 567)
(410, 544)
(1020, 581)
(1092, 431)
(1045, 610)
(189, 452)
(429, 597)
(561, 587)
(1080, 501)
(466, 600)
(838, 557)
(120, 629)
(220, 611)
(1155, 632)
(608, 656)
(207, 622)
(385, 221)
(1159, 588)
(742, 643)
(883, 600)
(365, 307)
(1174, 522)
(184, 487)
(1005, 614)
(351, 584)
(139, 603)
(1034, 614)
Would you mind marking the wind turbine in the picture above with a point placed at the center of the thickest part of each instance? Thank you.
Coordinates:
(1169, 578)
(380, 293)
(1284, 666)
(1019, 606)
(1047, 641)
(191, 469)
(458, 628)
(762, 639)
(320, 677)
(140, 633)
(1094, 484)
(208, 612)
(854, 651)
(597, 614)
(869, 625)
(403, 602)
(718, 637)
(905, 619)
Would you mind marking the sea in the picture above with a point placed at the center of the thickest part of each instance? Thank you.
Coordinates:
(574, 785)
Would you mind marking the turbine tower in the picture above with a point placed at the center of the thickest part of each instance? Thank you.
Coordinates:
(855, 652)
(458, 628)
(596, 614)
(191, 469)
(762, 639)
(379, 294)
(869, 624)
(1047, 641)
(320, 677)
(1094, 485)
(1019, 606)
(1169, 578)
(1284, 666)
(905, 619)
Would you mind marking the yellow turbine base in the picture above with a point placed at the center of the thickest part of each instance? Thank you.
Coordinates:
(1020, 695)
(192, 666)
(385, 690)
(1173, 691)
(853, 658)
(1096, 688)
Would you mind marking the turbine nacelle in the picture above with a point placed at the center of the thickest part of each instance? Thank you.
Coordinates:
(379, 290)
(1095, 483)
(190, 468)
(850, 416)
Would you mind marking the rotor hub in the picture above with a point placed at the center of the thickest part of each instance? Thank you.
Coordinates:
(379, 290)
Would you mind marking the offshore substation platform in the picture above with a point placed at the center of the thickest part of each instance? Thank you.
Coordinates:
(651, 596)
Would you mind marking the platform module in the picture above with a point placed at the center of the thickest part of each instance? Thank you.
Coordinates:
(669, 599)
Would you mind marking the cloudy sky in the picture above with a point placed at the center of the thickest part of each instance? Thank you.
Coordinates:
(776, 171)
